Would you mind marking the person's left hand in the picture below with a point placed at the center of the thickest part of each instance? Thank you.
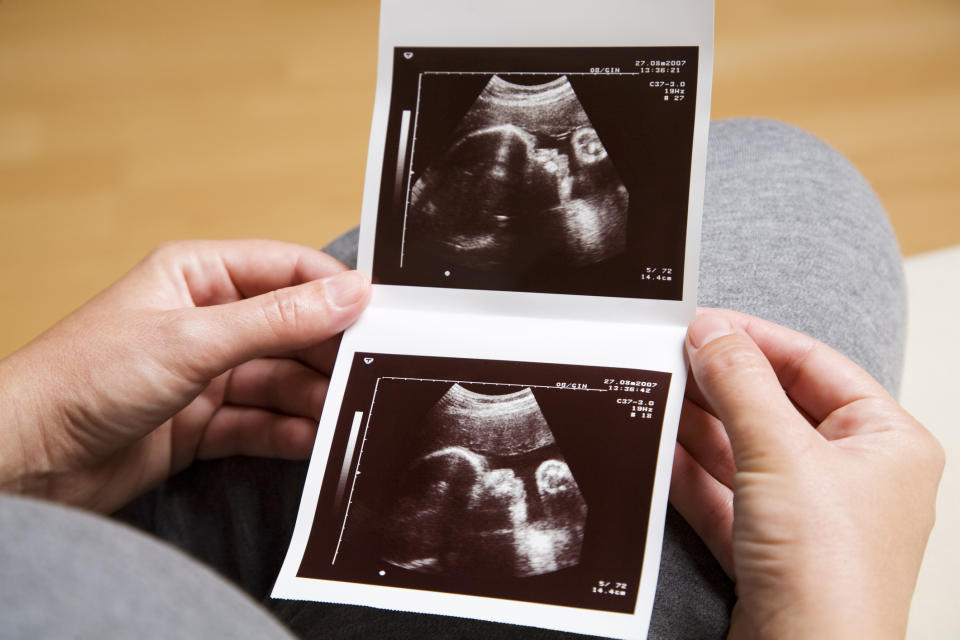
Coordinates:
(203, 350)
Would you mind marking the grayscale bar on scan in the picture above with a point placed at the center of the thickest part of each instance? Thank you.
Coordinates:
(399, 195)
(348, 457)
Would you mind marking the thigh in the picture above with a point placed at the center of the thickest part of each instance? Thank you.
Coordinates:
(70, 574)
(793, 233)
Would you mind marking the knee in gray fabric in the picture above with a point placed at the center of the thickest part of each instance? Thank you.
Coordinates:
(792, 232)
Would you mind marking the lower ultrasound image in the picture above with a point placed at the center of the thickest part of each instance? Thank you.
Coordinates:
(522, 481)
(490, 495)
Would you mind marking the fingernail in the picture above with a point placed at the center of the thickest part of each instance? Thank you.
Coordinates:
(344, 289)
(706, 328)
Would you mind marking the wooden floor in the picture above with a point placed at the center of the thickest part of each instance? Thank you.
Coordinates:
(125, 124)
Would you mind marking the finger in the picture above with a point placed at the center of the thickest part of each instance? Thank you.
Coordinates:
(693, 394)
(704, 438)
(818, 378)
(870, 415)
(216, 272)
(705, 504)
(250, 431)
(277, 384)
(214, 339)
(745, 394)
(322, 356)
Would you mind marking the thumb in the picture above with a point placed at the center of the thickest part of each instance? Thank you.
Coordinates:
(743, 391)
(275, 322)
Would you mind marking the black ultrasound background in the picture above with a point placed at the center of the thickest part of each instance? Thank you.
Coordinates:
(649, 141)
(611, 456)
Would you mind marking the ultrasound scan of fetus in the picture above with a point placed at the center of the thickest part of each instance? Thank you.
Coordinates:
(490, 495)
(526, 481)
(526, 183)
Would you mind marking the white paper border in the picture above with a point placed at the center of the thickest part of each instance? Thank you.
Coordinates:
(606, 23)
(424, 333)
(592, 331)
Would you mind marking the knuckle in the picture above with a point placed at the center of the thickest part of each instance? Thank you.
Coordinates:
(167, 250)
(935, 460)
(719, 516)
(285, 314)
(726, 357)
(173, 253)
(179, 333)
(936, 454)
(180, 329)
(929, 453)
(721, 460)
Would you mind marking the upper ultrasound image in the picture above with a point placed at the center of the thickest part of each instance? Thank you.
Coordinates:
(526, 180)
(489, 495)
(543, 170)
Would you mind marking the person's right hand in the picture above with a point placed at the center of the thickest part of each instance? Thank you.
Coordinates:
(813, 488)
(203, 350)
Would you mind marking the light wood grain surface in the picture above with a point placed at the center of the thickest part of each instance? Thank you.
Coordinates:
(126, 124)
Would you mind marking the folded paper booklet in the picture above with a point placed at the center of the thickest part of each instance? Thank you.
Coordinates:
(499, 430)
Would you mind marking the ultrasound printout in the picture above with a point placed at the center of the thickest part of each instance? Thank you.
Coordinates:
(554, 170)
(499, 427)
(526, 481)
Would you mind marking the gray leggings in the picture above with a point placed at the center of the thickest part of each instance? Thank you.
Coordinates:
(791, 233)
